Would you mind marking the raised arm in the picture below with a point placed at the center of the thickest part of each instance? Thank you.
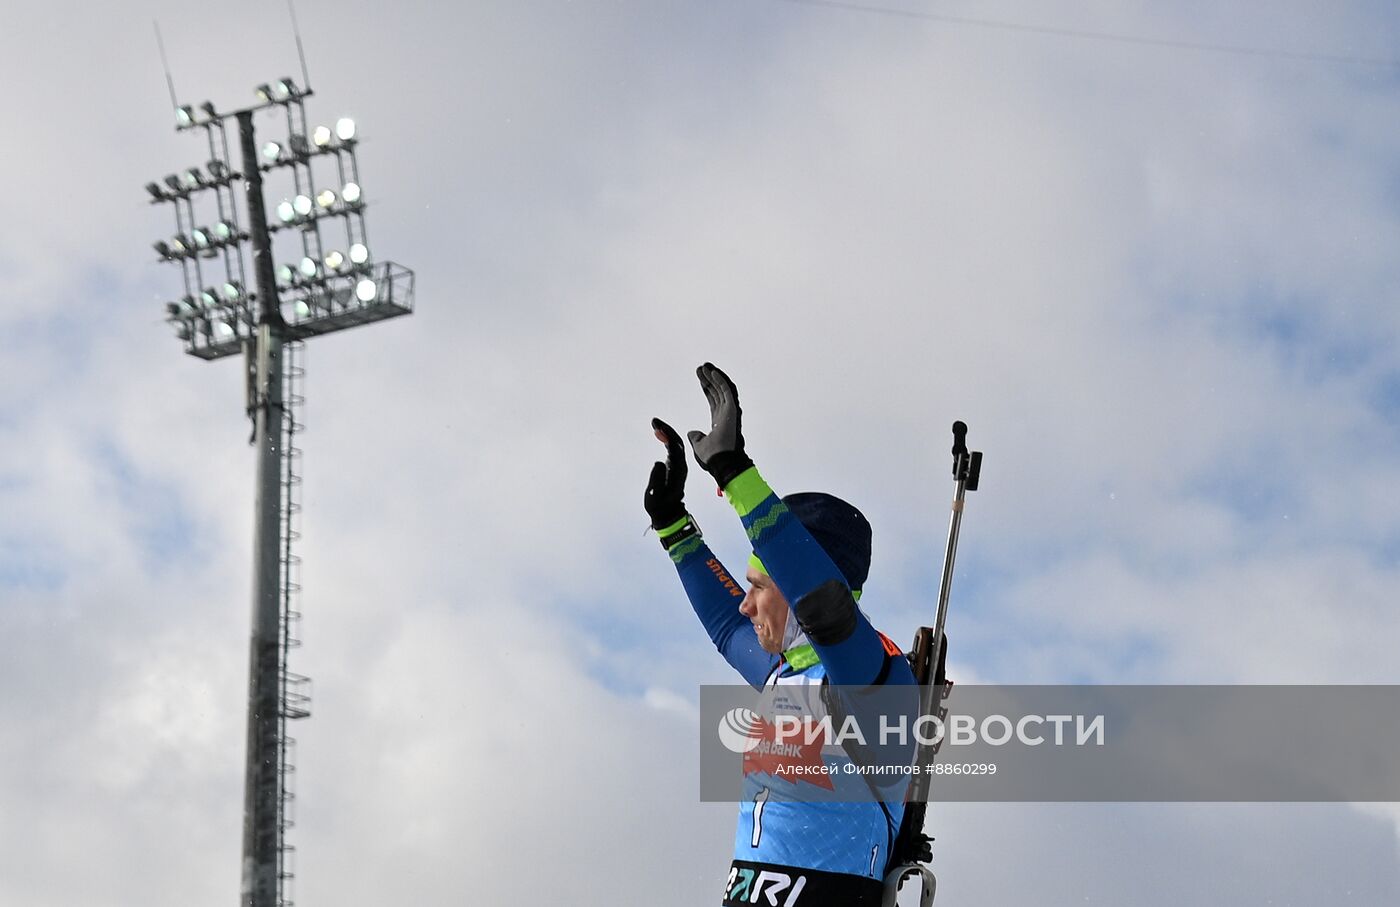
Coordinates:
(713, 592)
(821, 597)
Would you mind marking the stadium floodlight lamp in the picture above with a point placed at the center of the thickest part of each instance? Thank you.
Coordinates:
(260, 315)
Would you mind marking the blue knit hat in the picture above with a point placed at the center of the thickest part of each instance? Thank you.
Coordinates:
(839, 528)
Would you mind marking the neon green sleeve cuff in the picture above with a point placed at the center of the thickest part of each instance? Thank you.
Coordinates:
(667, 530)
(747, 490)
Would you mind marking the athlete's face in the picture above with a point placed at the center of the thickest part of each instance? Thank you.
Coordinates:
(766, 607)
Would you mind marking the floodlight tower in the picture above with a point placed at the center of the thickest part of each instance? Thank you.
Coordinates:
(318, 289)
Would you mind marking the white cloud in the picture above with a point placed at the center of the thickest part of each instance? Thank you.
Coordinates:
(1158, 286)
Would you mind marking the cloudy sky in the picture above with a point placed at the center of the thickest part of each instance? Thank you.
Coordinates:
(1159, 282)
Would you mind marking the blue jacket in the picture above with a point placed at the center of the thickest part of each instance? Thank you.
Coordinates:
(795, 823)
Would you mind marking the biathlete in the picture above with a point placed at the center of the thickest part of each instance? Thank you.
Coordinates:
(803, 839)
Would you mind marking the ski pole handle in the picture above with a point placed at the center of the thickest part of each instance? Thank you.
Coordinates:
(967, 466)
(967, 469)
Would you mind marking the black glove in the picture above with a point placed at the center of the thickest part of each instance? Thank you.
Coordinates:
(665, 497)
(721, 452)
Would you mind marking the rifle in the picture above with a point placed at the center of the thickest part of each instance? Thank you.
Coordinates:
(928, 657)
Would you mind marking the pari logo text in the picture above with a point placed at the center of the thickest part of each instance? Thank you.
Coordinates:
(763, 886)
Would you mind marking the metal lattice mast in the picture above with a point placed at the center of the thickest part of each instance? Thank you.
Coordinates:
(295, 689)
(323, 292)
(262, 791)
